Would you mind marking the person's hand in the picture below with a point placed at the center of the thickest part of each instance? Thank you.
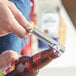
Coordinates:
(12, 20)
(8, 57)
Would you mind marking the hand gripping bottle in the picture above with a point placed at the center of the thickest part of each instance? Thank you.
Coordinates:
(35, 62)
(28, 64)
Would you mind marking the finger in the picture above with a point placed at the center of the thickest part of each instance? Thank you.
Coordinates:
(10, 56)
(18, 29)
(18, 15)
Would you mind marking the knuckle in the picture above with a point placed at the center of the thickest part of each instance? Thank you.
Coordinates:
(10, 22)
(12, 3)
(9, 54)
(9, 25)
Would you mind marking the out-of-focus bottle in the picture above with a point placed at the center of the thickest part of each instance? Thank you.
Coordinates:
(36, 62)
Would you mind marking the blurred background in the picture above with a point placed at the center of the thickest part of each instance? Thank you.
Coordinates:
(57, 19)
